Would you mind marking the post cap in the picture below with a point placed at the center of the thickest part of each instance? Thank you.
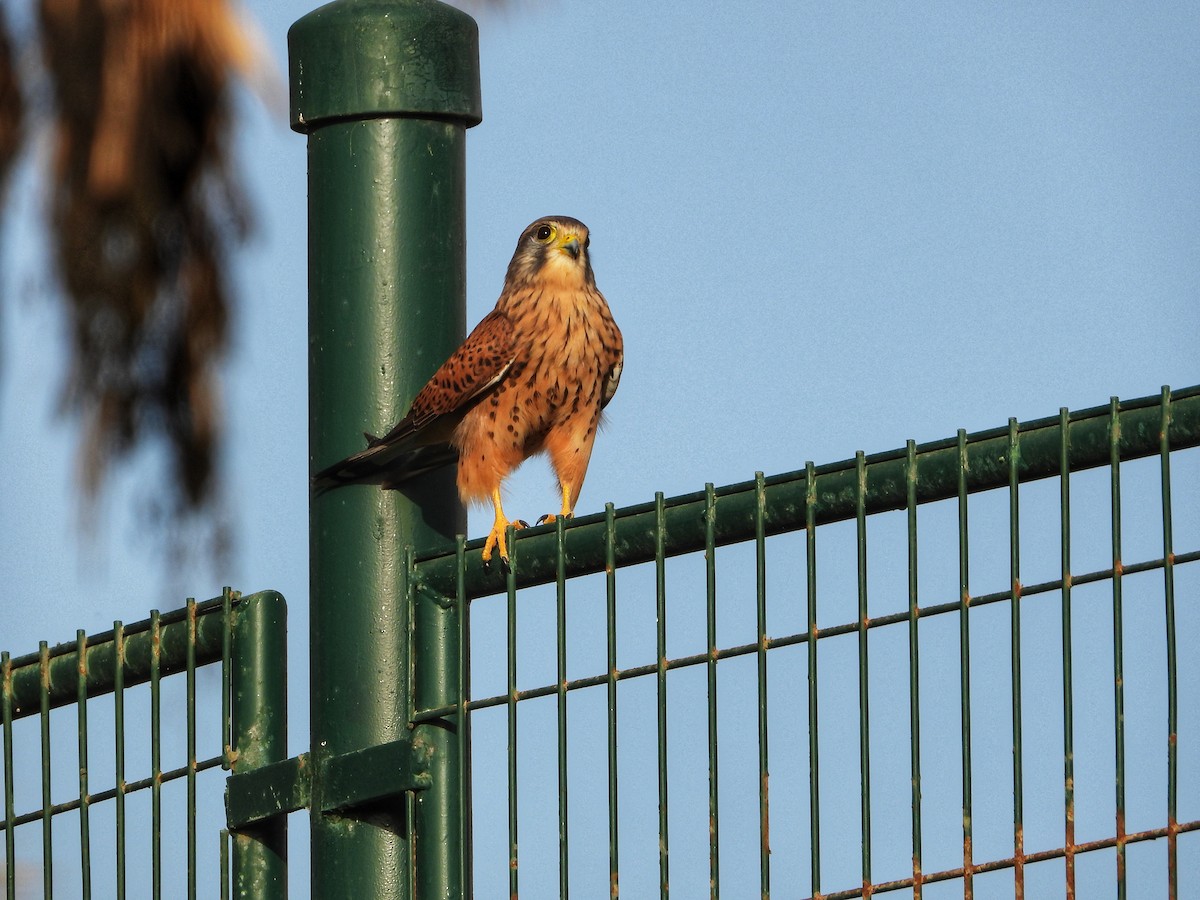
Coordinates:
(354, 59)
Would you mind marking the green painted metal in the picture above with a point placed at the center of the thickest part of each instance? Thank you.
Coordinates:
(463, 719)
(610, 601)
(137, 652)
(258, 734)
(660, 599)
(1065, 580)
(77, 672)
(156, 753)
(47, 831)
(1172, 663)
(864, 681)
(374, 775)
(385, 92)
(814, 755)
(119, 663)
(560, 611)
(914, 663)
(263, 793)
(834, 493)
(511, 625)
(85, 839)
(190, 669)
(710, 615)
(10, 850)
(964, 656)
(1014, 577)
(760, 596)
(1114, 443)
(1009, 457)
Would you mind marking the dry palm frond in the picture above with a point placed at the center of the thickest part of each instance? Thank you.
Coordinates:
(142, 210)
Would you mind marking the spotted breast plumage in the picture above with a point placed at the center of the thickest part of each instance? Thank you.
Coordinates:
(533, 376)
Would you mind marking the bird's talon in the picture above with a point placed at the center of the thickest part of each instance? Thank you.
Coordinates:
(547, 519)
(518, 524)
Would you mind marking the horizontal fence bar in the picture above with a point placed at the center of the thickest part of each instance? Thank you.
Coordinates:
(1028, 859)
(937, 473)
(101, 655)
(110, 794)
(788, 640)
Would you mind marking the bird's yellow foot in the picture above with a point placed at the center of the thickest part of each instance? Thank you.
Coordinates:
(551, 518)
(497, 540)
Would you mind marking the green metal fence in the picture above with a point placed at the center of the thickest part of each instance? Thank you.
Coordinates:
(811, 761)
(1080, 612)
(153, 835)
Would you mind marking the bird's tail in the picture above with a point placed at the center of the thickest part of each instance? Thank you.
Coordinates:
(384, 464)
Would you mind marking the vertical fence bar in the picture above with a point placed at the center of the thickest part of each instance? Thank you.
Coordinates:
(10, 847)
(864, 687)
(1114, 438)
(814, 774)
(560, 597)
(224, 861)
(119, 752)
(710, 609)
(258, 725)
(1014, 574)
(512, 724)
(47, 820)
(964, 651)
(384, 93)
(610, 599)
(434, 630)
(1064, 499)
(226, 689)
(760, 597)
(408, 888)
(464, 716)
(226, 719)
(85, 840)
(190, 666)
(1172, 692)
(914, 665)
(155, 757)
(660, 602)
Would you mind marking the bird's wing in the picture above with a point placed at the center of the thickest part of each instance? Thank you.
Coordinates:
(471, 371)
(418, 442)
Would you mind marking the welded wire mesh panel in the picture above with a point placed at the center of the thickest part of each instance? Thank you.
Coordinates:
(958, 669)
(113, 746)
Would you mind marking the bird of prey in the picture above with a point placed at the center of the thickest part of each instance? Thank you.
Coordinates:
(533, 375)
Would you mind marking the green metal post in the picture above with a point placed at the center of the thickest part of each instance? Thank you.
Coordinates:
(385, 90)
(258, 684)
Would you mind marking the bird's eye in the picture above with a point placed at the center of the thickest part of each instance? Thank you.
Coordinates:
(543, 233)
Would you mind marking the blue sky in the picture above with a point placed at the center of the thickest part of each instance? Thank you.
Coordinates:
(821, 228)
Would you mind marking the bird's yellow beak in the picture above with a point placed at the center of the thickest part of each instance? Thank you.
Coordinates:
(569, 243)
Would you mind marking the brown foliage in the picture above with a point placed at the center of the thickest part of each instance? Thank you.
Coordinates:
(142, 211)
(11, 105)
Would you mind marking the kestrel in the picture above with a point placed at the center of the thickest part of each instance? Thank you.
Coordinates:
(533, 375)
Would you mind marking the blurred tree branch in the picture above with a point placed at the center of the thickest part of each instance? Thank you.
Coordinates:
(143, 210)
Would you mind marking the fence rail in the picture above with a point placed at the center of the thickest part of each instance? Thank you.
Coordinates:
(690, 766)
(176, 643)
(833, 490)
(953, 470)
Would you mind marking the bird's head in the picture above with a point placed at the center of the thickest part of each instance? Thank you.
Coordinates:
(554, 249)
